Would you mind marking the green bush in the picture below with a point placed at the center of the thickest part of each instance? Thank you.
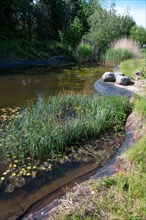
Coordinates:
(115, 56)
(51, 126)
(84, 53)
(138, 33)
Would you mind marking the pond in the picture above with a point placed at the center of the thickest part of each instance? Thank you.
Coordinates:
(18, 86)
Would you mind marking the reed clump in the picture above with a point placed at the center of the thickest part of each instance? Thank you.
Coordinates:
(121, 50)
(53, 125)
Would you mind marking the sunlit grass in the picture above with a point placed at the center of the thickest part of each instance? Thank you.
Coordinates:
(129, 67)
(121, 196)
(51, 126)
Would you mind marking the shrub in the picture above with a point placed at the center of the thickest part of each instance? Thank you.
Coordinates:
(84, 52)
(138, 33)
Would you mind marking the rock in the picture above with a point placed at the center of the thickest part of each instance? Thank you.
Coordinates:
(122, 80)
(119, 73)
(138, 74)
(108, 77)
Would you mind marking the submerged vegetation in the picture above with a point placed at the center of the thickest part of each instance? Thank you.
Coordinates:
(51, 126)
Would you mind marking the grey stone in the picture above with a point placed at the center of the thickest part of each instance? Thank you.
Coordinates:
(108, 77)
(119, 73)
(122, 80)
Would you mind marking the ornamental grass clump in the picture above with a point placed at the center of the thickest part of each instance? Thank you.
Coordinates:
(120, 50)
(53, 125)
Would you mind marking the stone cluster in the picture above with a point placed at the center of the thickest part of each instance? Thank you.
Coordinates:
(117, 77)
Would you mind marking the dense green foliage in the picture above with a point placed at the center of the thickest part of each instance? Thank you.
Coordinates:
(106, 26)
(84, 53)
(138, 34)
(63, 22)
(53, 125)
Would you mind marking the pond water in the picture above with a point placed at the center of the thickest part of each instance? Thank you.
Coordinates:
(20, 85)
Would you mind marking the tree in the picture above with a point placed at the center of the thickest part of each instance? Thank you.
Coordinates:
(138, 33)
(106, 26)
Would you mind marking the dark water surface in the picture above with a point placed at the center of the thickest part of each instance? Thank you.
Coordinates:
(20, 85)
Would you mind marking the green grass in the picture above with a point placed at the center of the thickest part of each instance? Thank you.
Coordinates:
(52, 126)
(121, 196)
(139, 105)
(129, 67)
(116, 56)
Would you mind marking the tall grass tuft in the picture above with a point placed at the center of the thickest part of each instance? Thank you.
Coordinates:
(52, 126)
(127, 44)
(120, 50)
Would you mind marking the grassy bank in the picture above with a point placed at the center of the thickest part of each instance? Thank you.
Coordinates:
(129, 67)
(118, 197)
(51, 126)
(121, 196)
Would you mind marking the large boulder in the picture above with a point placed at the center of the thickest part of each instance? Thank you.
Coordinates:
(108, 77)
(122, 80)
(119, 74)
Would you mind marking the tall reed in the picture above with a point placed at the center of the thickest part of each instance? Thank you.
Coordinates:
(54, 124)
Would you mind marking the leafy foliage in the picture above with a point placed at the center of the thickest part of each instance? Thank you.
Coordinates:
(106, 26)
(63, 21)
(84, 52)
(138, 33)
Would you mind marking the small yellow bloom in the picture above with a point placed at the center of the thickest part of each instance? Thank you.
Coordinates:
(27, 174)
(14, 165)
(13, 174)
(2, 178)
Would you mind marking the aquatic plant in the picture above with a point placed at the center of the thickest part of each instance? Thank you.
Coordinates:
(52, 125)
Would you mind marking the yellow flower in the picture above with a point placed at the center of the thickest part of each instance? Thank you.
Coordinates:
(13, 174)
(2, 178)
(14, 165)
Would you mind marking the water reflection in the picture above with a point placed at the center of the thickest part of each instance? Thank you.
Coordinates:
(18, 86)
